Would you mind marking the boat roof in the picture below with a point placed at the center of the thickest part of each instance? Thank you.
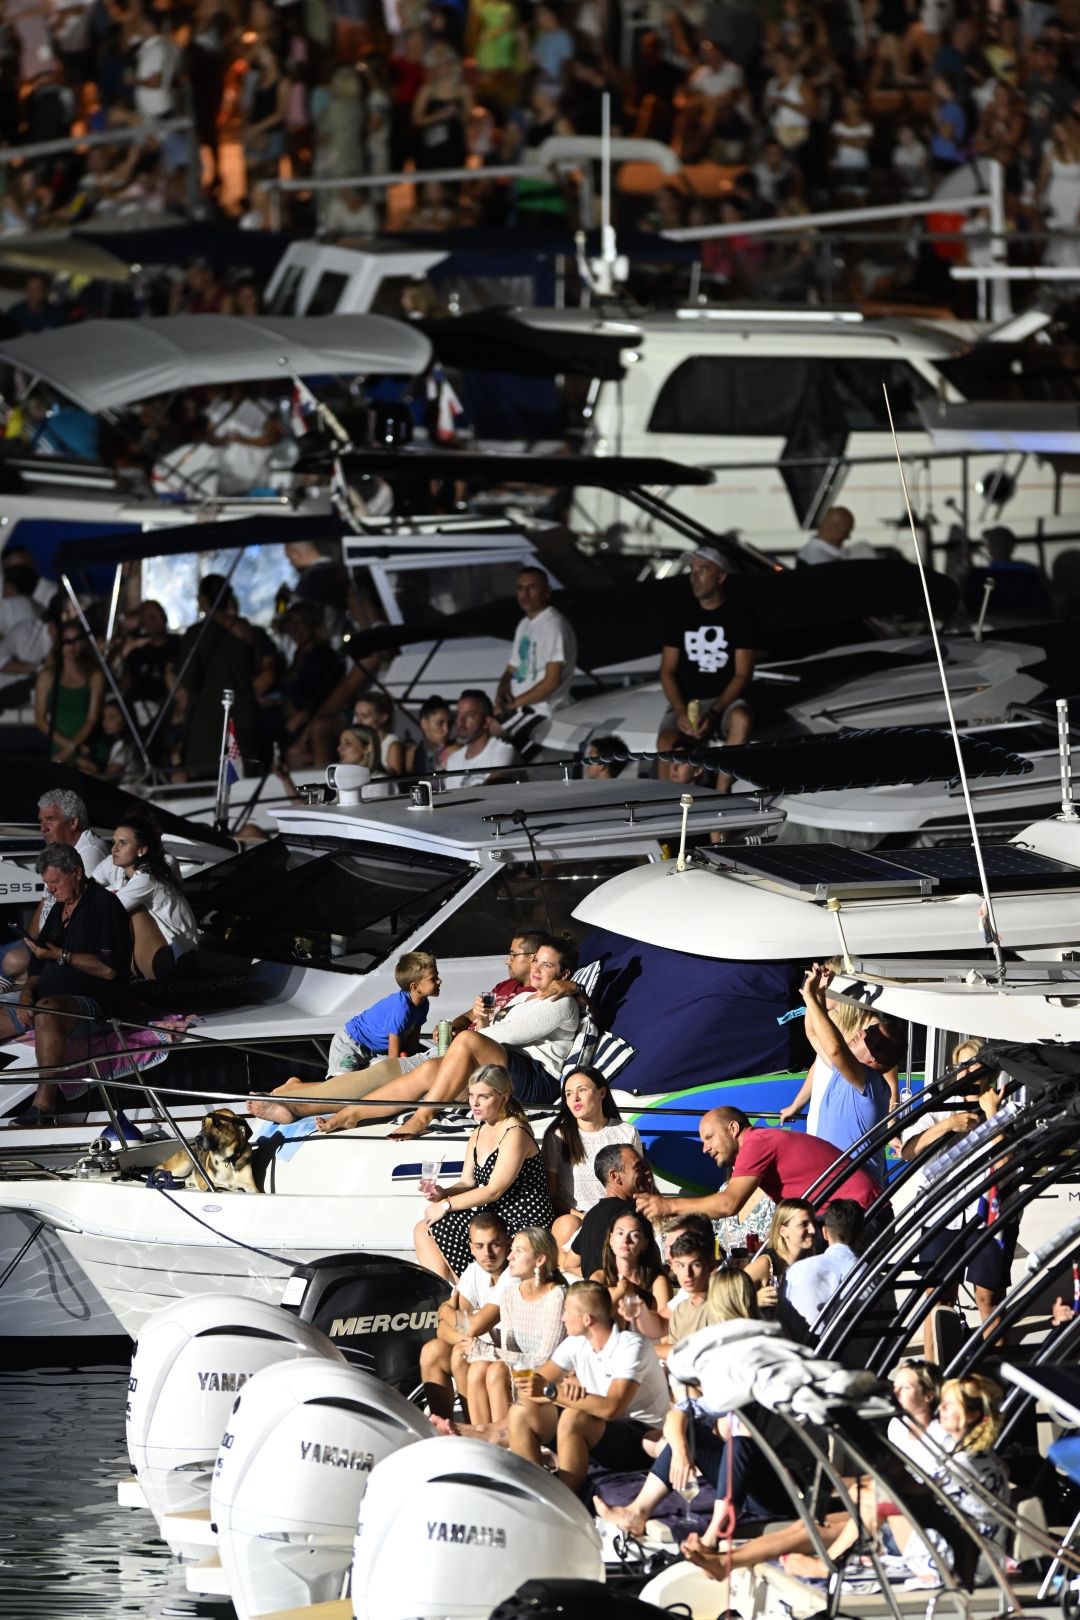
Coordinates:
(844, 326)
(773, 904)
(505, 821)
(104, 365)
(1038, 1001)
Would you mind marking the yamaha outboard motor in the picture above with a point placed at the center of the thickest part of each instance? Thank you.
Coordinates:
(451, 1527)
(376, 1310)
(293, 1466)
(190, 1360)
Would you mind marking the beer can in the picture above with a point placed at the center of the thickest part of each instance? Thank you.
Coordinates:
(443, 1035)
(693, 713)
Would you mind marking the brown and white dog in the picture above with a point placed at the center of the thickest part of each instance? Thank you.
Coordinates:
(223, 1149)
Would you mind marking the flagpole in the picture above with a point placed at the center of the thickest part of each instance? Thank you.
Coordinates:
(221, 808)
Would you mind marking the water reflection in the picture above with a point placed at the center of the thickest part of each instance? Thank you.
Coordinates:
(67, 1550)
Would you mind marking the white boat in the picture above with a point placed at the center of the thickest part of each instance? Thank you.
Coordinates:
(893, 682)
(733, 913)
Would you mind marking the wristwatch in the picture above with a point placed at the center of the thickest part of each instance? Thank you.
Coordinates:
(65, 958)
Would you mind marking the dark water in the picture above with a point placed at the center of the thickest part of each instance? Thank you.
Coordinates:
(67, 1550)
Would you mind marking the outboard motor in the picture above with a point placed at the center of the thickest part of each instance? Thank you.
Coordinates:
(451, 1527)
(377, 1310)
(190, 1360)
(293, 1466)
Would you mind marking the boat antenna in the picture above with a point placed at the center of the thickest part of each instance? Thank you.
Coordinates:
(987, 919)
(1068, 809)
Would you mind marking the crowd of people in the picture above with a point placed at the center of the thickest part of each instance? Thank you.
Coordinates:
(773, 109)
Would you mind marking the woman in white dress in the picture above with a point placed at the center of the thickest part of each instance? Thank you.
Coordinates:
(529, 1313)
(1059, 192)
(587, 1121)
(139, 873)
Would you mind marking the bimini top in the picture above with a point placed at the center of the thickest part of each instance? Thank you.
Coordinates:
(774, 904)
(103, 365)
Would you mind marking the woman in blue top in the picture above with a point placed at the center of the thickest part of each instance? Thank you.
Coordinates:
(856, 1095)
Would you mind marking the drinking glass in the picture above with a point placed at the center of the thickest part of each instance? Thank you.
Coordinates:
(430, 1170)
(688, 1493)
(521, 1383)
(631, 1308)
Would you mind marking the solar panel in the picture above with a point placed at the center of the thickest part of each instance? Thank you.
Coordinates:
(825, 869)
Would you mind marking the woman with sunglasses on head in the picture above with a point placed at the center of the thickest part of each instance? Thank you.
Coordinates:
(587, 1121)
(69, 693)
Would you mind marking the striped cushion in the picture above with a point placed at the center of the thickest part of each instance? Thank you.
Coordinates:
(595, 1048)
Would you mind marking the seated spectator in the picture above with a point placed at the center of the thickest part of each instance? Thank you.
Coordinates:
(445, 1359)
(138, 872)
(68, 694)
(535, 1034)
(376, 710)
(854, 1094)
(851, 134)
(811, 1280)
(948, 144)
(24, 638)
(429, 754)
(610, 1393)
(911, 163)
(300, 1097)
(63, 819)
(479, 755)
(784, 1163)
(712, 105)
(594, 768)
(793, 1235)
(772, 171)
(633, 1272)
(697, 1440)
(692, 1261)
(916, 1387)
(503, 1171)
(381, 1030)
(990, 1266)
(674, 1227)
(829, 544)
(587, 1121)
(79, 961)
(622, 1172)
(529, 1311)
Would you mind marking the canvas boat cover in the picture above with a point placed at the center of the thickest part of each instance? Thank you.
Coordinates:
(104, 365)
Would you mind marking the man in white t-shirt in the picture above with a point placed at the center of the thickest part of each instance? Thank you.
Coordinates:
(478, 752)
(483, 1282)
(831, 543)
(156, 62)
(543, 657)
(607, 1391)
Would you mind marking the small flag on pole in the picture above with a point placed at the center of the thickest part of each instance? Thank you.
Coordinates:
(234, 764)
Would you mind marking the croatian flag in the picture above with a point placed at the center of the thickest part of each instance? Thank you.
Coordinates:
(302, 407)
(234, 764)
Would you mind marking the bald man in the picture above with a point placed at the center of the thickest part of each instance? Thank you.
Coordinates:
(830, 543)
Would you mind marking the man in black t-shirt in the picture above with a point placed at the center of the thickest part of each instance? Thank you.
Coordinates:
(708, 658)
(621, 1172)
(79, 961)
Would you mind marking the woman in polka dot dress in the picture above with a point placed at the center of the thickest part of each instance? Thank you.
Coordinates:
(503, 1171)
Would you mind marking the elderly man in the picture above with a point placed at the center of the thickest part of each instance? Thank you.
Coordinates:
(79, 962)
(707, 659)
(539, 675)
(63, 819)
(480, 755)
(830, 543)
(784, 1164)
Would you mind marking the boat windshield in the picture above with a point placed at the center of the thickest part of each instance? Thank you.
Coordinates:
(315, 903)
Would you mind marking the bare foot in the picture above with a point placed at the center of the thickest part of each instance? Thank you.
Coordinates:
(443, 1425)
(804, 1566)
(275, 1112)
(714, 1564)
(410, 1128)
(626, 1518)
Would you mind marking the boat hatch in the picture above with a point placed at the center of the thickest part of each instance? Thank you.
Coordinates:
(820, 870)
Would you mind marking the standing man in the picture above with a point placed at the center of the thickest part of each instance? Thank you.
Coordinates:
(707, 658)
(610, 1395)
(537, 679)
(478, 753)
(78, 963)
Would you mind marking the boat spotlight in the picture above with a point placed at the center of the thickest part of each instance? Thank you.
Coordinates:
(997, 488)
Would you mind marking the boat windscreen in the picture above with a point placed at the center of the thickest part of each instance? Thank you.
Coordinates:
(346, 907)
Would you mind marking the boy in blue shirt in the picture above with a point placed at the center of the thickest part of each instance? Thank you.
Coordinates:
(384, 1029)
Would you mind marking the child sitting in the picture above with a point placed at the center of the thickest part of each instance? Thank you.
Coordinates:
(384, 1029)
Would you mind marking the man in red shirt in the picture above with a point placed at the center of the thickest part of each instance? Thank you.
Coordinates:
(784, 1164)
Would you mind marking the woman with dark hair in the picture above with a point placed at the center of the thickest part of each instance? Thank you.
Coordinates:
(138, 872)
(595, 767)
(503, 1172)
(69, 692)
(531, 1037)
(634, 1274)
(587, 1121)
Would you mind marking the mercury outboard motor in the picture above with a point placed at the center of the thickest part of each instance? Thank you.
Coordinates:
(451, 1527)
(291, 1472)
(190, 1360)
(377, 1310)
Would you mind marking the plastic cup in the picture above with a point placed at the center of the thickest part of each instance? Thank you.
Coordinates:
(521, 1383)
(429, 1175)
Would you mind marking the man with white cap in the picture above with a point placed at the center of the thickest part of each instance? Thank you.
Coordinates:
(707, 658)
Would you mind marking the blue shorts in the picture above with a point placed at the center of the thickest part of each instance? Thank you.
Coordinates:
(533, 1085)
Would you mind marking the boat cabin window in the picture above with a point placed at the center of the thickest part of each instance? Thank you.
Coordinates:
(515, 900)
(322, 904)
(284, 300)
(728, 396)
(451, 588)
(327, 295)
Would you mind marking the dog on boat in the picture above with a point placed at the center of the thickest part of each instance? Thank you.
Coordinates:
(223, 1149)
